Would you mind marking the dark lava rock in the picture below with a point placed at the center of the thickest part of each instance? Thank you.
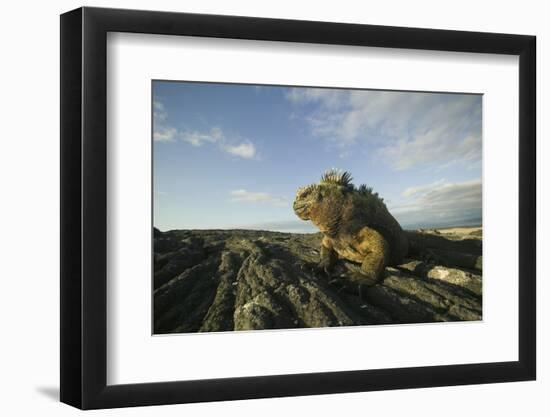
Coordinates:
(224, 280)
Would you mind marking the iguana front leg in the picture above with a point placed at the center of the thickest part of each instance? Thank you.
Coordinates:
(376, 252)
(328, 256)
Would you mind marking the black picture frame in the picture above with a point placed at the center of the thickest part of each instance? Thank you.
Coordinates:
(84, 207)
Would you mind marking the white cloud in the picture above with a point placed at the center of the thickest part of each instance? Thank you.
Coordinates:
(440, 202)
(244, 150)
(165, 134)
(159, 112)
(244, 196)
(408, 129)
(432, 148)
(199, 138)
(412, 191)
(329, 97)
(161, 131)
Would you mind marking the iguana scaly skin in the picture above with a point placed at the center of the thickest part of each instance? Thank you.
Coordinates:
(356, 225)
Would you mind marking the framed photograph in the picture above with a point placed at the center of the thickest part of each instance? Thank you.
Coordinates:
(257, 207)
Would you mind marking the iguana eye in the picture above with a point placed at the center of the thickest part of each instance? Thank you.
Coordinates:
(304, 192)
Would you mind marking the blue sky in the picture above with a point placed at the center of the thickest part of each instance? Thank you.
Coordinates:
(233, 156)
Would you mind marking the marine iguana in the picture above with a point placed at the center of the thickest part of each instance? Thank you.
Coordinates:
(355, 223)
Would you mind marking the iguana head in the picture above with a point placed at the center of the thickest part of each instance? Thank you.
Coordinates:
(306, 199)
(311, 197)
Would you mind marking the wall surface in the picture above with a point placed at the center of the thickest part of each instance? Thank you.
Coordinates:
(29, 177)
